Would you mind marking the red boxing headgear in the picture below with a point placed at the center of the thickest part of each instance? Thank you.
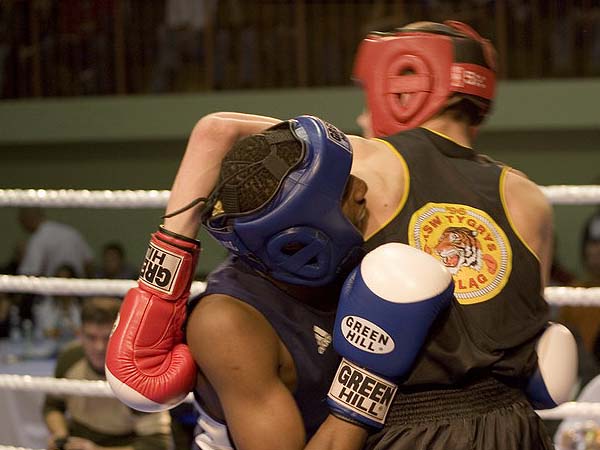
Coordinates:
(431, 62)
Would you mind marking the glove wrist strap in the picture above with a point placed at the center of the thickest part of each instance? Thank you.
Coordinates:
(169, 265)
(178, 237)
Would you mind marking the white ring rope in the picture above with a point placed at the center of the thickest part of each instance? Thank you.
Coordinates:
(98, 388)
(57, 386)
(60, 386)
(572, 195)
(72, 198)
(10, 447)
(22, 284)
(572, 409)
(563, 295)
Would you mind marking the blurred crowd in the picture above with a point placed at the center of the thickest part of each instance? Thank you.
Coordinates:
(100, 47)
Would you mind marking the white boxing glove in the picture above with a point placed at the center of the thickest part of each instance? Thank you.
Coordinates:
(553, 381)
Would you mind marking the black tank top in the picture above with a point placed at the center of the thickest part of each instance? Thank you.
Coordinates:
(453, 209)
(305, 331)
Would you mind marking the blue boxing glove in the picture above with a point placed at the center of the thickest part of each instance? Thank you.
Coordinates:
(555, 376)
(387, 306)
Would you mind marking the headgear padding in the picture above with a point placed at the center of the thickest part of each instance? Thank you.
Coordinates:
(430, 61)
(300, 235)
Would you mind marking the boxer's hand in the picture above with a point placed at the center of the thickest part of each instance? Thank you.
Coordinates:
(148, 366)
(57, 441)
(77, 443)
(387, 306)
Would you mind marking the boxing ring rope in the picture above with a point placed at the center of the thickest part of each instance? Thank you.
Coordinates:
(98, 388)
(70, 198)
(56, 386)
(9, 447)
(60, 386)
(563, 295)
(23, 284)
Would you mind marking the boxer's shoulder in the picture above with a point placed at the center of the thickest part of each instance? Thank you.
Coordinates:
(222, 324)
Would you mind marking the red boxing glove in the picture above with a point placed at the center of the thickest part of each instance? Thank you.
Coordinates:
(148, 366)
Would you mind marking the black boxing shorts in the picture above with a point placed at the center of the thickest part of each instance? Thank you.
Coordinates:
(484, 415)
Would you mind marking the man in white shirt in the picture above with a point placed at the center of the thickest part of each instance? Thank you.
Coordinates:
(52, 249)
(52, 245)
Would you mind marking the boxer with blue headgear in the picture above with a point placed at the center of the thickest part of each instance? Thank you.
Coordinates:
(292, 217)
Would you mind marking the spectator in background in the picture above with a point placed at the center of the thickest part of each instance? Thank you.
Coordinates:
(590, 251)
(236, 51)
(6, 17)
(588, 366)
(93, 423)
(181, 39)
(586, 320)
(5, 306)
(114, 263)
(591, 27)
(59, 317)
(9, 300)
(52, 245)
(12, 265)
(559, 274)
(581, 433)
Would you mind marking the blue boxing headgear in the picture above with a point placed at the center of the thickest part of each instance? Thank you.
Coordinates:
(300, 235)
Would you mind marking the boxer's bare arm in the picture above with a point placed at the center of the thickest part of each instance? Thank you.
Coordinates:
(384, 172)
(57, 426)
(531, 215)
(240, 354)
(211, 138)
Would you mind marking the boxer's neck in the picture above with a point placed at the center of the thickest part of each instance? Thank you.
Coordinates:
(456, 131)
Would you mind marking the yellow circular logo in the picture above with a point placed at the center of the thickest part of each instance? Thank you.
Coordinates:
(469, 243)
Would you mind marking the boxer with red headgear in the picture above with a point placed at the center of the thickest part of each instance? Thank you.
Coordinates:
(428, 87)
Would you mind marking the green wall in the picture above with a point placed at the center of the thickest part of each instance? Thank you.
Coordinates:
(549, 129)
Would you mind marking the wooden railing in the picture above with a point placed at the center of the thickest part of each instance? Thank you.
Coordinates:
(100, 47)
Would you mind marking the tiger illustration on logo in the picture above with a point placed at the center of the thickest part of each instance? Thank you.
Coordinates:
(471, 245)
(458, 247)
